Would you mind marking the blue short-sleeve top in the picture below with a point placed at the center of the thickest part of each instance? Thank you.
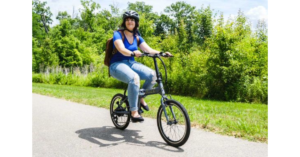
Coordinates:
(131, 47)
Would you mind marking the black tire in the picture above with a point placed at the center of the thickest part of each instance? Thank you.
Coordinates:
(181, 117)
(120, 121)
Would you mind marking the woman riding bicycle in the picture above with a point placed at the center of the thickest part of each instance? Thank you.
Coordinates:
(123, 66)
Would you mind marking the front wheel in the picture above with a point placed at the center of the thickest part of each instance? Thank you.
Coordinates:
(176, 131)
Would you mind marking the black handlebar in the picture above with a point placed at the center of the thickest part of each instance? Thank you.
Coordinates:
(155, 55)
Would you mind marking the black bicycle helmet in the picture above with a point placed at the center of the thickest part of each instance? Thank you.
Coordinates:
(132, 14)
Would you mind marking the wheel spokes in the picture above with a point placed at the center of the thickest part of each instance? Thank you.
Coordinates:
(174, 131)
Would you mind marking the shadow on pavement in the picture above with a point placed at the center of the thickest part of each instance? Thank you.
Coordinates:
(112, 136)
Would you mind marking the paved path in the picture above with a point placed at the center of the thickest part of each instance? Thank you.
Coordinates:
(64, 128)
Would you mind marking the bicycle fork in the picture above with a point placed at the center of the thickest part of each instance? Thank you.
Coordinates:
(162, 92)
(166, 115)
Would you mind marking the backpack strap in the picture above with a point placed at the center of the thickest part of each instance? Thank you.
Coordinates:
(122, 33)
(138, 40)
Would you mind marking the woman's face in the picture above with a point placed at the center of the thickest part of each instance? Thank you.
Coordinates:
(130, 23)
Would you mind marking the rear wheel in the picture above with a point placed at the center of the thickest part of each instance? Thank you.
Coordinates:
(176, 131)
(120, 120)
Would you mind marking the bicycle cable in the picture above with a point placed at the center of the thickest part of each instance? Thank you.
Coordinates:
(166, 80)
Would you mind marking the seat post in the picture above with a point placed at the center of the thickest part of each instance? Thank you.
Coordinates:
(125, 90)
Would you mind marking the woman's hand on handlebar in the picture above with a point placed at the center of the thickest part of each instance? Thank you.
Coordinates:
(137, 53)
(168, 53)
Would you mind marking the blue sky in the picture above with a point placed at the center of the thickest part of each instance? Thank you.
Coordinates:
(253, 9)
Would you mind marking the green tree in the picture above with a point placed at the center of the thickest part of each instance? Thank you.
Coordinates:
(88, 15)
(202, 25)
(163, 25)
(65, 27)
(38, 30)
(115, 19)
(181, 11)
(36, 55)
(63, 15)
(43, 54)
(140, 7)
(146, 26)
(226, 62)
(109, 20)
(262, 31)
(183, 38)
(41, 19)
(67, 50)
(49, 57)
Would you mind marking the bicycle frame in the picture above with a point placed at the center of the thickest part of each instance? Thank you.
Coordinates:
(158, 90)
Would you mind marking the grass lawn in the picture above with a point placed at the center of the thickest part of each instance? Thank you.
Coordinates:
(243, 120)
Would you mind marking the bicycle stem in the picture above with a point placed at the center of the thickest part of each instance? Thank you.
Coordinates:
(159, 80)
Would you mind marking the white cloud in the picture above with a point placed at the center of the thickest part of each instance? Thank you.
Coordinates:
(257, 13)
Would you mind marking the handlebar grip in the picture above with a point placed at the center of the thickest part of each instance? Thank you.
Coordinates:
(165, 55)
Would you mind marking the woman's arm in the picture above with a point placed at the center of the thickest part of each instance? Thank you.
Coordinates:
(121, 48)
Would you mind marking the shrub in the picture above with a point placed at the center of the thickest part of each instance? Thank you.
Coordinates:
(37, 78)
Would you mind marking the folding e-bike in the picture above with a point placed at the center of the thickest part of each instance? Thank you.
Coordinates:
(173, 121)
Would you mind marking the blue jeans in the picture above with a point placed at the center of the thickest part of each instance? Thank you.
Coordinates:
(131, 72)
